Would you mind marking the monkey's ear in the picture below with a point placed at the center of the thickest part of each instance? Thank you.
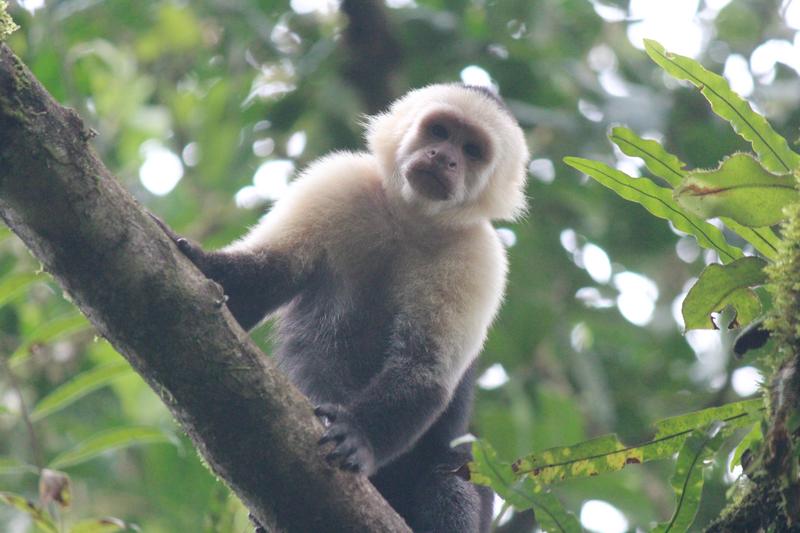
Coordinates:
(384, 134)
(379, 133)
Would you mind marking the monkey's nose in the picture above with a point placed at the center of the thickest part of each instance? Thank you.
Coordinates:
(442, 159)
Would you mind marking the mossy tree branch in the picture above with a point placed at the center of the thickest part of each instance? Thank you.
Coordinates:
(253, 428)
(772, 501)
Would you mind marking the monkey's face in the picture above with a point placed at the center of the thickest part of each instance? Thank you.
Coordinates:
(452, 152)
(444, 157)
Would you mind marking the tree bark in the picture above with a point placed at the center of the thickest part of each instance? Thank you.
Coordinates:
(255, 430)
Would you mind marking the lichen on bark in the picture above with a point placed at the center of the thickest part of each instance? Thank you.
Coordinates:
(7, 24)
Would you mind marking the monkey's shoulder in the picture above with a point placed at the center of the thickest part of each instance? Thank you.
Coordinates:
(335, 196)
(343, 189)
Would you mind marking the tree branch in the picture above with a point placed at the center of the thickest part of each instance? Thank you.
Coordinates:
(255, 430)
(374, 52)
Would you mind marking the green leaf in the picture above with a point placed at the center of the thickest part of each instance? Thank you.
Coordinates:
(751, 440)
(487, 469)
(734, 415)
(667, 166)
(9, 465)
(552, 516)
(659, 201)
(720, 286)
(772, 149)
(740, 189)
(55, 329)
(763, 239)
(39, 516)
(99, 525)
(609, 454)
(78, 387)
(106, 441)
(687, 481)
(15, 284)
(660, 162)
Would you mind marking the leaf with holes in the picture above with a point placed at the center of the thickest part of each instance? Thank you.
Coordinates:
(720, 286)
(521, 493)
(608, 454)
(740, 189)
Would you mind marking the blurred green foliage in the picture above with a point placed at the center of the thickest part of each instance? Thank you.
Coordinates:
(224, 86)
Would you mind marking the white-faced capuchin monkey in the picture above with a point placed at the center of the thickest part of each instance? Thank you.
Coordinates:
(384, 272)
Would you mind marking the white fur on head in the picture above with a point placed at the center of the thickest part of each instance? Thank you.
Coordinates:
(502, 195)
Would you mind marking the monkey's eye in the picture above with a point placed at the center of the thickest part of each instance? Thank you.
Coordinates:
(473, 151)
(439, 131)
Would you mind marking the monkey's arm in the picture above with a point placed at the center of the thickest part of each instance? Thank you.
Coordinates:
(388, 417)
(256, 282)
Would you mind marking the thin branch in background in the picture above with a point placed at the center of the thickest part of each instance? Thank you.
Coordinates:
(374, 52)
(38, 457)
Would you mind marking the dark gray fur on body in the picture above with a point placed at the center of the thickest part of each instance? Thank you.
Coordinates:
(333, 341)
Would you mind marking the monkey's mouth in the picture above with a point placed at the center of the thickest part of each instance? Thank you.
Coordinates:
(430, 181)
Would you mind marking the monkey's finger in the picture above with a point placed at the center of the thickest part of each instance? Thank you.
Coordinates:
(333, 434)
(187, 247)
(163, 225)
(328, 410)
(351, 465)
(341, 451)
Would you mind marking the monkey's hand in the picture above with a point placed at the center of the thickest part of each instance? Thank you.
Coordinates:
(258, 527)
(351, 451)
(192, 251)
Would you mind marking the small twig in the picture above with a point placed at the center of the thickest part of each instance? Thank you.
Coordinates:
(23, 409)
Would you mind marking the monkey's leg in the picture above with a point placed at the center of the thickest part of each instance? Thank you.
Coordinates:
(447, 503)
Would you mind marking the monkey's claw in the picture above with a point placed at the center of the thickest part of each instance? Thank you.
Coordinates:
(258, 527)
(351, 449)
(192, 251)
